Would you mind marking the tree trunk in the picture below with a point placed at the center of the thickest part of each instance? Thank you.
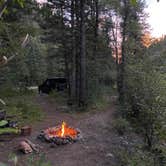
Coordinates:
(66, 59)
(96, 25)
(82, 89)
(77, 52)
(121, 68)
(72, 81)
(95, 41)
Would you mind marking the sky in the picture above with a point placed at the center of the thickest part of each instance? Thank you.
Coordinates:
(157, 17)
(41, 1)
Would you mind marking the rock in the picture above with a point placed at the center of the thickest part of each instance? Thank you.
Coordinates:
(53, 145)
(86, 147)
(47, 138)
(109, 155)
(43, 136)
(125, 142)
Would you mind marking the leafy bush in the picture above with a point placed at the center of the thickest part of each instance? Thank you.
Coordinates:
(145, 99)
(159, 153)
(2, 164)
(24, 109)
(41, 161)
(61, 97)
(135, 158)
(8, 91)
(21, 105)
(121, 125)
(32, 160)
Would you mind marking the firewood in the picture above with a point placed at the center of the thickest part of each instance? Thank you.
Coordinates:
(25, 147)
(26, 131)
(35, 147)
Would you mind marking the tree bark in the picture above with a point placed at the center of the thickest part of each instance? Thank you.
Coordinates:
(96, 28)
(121, 68)
(72, 78)
(77, 51)
(95, 40)
(82, 88)
(66, 59)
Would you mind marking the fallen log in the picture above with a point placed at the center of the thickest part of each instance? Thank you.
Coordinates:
(26, 146)
(33, 146)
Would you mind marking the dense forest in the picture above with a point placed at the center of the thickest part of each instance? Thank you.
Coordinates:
(99, 46)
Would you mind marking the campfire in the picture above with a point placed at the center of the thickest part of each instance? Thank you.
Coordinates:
(60, 135)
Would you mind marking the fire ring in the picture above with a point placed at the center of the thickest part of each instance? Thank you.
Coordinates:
(60, 135)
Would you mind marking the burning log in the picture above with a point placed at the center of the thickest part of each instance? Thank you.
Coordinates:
(60, 135)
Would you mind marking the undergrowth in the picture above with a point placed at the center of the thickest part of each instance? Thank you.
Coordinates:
(21, 105)
(97, 100)
(100, 99)
(140, 157)
(32, 160)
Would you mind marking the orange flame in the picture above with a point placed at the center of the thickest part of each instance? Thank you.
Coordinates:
(63, 129)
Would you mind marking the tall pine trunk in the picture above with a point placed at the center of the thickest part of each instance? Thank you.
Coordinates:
(122, 63)
(82, 88)
(96, 25)
(66, 59)
(77, 51)
(95, 41)
(72, 81)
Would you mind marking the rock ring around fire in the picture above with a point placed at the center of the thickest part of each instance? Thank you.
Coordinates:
(57, 140)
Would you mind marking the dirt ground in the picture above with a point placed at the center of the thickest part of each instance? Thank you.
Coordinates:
(95, 149)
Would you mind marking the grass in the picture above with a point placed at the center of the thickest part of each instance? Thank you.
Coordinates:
(32, 160)
(21, 105)
(101, 99)
(121, 125)
(61, 97)
(97, 100)
(135, 158)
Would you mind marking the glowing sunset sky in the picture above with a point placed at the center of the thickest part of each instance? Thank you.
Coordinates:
(157, 17)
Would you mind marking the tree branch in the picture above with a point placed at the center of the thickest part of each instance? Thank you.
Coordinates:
(1, 101)
(3, 7)
(5, 60)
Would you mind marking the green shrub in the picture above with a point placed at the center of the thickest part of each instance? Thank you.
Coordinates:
(8, 91)
(145, 100)
(2, 164)
(32, 160)
(121, 125)
(22, 106)
(61, 97)
(40, 161)
(136, 157)
(100, 99)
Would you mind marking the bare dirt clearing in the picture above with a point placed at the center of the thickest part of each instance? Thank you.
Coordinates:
(93, 150)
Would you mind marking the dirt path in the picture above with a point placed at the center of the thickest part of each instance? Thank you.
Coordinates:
(93, 150)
